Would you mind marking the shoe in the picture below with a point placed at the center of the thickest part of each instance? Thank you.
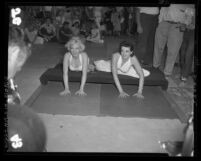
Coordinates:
(147, 65)
(184, 79)
(157, 68)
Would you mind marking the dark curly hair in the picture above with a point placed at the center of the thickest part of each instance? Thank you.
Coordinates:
(126, 44)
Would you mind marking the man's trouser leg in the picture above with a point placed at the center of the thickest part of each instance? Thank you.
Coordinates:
(160, 42)
(175, 38)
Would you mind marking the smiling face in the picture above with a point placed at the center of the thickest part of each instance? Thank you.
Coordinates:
(125, 52)
(75, 49)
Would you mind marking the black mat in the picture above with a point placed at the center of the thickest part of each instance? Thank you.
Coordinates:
(154, 105)
(156, 77)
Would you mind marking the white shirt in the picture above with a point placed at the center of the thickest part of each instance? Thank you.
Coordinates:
(180, 13)
(72, 67)
(149, 10)
(125, 67)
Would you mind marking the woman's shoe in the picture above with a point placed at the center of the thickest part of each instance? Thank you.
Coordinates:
(183, 79)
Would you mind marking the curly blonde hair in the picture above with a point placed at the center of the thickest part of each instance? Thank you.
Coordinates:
(75, 40)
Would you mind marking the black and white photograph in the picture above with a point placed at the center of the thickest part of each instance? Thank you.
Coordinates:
(114, 79)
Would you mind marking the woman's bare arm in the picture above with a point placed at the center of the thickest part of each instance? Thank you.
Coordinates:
(114, 72)
(65, 70)
(138, 69)
(84, 70)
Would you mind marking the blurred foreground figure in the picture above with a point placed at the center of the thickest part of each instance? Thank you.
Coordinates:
(25, 131)
(182, 148)
(18, 52)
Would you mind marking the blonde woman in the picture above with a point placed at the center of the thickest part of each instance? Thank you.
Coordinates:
(75, 60)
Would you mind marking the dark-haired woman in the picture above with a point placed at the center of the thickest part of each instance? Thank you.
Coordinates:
(126, 63)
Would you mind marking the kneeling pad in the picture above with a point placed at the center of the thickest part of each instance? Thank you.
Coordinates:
(156, 77)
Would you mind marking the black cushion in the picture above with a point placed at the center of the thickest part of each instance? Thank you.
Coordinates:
(156, 77)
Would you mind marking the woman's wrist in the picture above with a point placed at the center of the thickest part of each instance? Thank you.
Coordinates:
(81, 88)
(121, 90)
(140, 91)
(66, 89)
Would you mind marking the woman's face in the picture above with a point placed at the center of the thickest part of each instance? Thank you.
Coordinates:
(75, 50)
(125, 52)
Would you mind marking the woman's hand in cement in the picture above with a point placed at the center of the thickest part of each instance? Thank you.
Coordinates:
(65, 92)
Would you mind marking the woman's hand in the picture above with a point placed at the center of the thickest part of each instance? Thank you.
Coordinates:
(80, 93)
(65, 92)
(123, 95)
(139, 95)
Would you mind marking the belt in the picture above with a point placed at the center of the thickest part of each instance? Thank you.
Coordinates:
(182, 29)
(171, 22)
